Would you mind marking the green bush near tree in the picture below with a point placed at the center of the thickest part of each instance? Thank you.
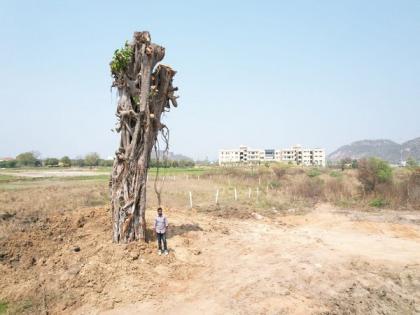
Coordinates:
(373, 171)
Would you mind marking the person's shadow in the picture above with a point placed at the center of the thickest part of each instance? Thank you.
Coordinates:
(175, 230)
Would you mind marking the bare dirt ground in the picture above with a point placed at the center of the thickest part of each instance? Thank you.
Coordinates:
(221, 261)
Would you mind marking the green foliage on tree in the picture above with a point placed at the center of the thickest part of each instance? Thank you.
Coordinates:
(65, 161)
(92, 159)
(51, 162)
(28, 159)
(373, 171)
(121, 59)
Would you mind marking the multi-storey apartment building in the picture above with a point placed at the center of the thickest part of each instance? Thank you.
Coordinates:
(295, 155)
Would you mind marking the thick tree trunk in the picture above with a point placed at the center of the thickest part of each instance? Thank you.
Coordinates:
(144, 94)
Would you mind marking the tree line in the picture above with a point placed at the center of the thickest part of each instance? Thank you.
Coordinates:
(32, 159)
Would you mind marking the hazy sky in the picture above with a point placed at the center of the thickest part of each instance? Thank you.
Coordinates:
(264, 73)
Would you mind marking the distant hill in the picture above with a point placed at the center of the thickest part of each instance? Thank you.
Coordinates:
(385, 149)
(171, 156)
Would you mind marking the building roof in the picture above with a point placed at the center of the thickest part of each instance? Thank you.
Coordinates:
(8, 158)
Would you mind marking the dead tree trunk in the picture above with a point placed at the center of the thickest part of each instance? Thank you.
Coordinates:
(145, 91)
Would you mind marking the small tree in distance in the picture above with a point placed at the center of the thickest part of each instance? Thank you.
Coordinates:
(28, 159)
(92, 159)
(65, 161)
(51, 162)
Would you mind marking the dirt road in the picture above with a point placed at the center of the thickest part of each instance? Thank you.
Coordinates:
(323, 262)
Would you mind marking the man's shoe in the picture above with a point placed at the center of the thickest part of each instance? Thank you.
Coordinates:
(166, 252)
(159, 252)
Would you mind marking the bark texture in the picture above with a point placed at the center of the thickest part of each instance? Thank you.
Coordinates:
(145, 91)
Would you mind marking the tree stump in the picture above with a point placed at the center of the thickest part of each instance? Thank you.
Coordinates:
(145, 91)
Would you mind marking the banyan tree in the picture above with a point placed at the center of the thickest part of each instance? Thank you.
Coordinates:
(145, 92)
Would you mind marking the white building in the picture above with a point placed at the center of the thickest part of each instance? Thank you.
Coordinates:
(295, 155)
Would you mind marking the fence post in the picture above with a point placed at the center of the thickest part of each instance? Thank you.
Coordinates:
(217, 196)
(236, 195)
(249, 192)
(258, 193)
(191, 203)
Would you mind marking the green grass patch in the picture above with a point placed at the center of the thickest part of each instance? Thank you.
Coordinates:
(3, 307)
(7, 178)
(177, 171)
(98, 178)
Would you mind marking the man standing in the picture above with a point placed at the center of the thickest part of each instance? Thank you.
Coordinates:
(161, 225)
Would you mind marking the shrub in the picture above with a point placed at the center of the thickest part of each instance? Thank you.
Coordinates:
(413, 187)
(51, 162)
(336, 189)
(274, 184)
(313, 172)
(8, 164)
(411, 163)
(310, 188)
(335, 174)
(372, 172)
(378, 203)
(279, 172)
(65, 161)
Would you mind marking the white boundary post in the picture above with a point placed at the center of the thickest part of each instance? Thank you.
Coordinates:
(236, 194)
(217, 196)
(191, 203)
(249, 192)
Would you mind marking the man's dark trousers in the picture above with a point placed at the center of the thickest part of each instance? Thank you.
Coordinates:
(161, 238)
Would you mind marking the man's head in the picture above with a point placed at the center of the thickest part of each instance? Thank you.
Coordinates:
(159, 211)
